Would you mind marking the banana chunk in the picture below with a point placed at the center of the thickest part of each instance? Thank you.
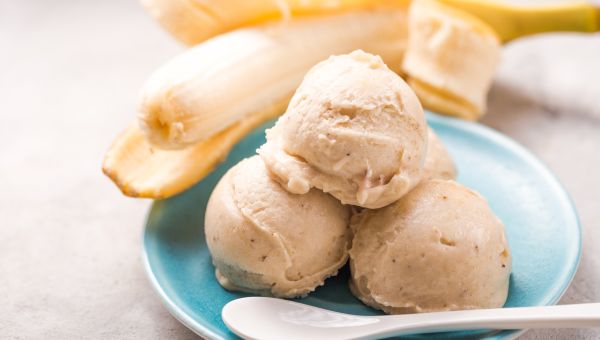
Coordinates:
(451, 59)
(237, 74)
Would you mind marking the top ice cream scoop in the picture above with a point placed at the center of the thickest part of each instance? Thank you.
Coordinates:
(353, 129)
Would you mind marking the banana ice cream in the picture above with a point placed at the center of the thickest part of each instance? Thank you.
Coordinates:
(267, 241)
(438, 162)
(451, 58)
(438, 248)
(353, 129)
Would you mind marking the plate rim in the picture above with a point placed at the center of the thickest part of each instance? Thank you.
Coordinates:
(167, 302)
(473, 127)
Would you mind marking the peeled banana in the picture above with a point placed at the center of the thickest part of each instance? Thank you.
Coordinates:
(237, 74)
(193, 21)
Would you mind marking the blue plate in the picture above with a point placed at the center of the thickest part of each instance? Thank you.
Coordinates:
(541, 224)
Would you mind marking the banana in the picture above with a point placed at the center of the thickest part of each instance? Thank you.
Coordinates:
(231, 84)
(451, 59)
(237, 74)
(193, 21)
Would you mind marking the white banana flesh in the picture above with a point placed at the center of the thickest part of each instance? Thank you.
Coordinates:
(237, 74)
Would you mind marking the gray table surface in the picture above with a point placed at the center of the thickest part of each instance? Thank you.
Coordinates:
(70, 243)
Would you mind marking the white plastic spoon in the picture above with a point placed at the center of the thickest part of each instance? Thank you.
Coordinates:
(269, 318)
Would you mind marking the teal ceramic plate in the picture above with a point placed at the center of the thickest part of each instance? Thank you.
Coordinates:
(541, 224)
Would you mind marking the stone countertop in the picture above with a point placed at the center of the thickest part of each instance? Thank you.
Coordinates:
(70, 243)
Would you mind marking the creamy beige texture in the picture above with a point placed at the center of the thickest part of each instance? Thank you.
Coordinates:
(438, 248)
(451, 58)
(353, 129)
(267, 241)
(438, 162)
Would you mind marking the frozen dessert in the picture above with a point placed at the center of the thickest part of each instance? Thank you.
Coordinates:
(451, 58)
(267, 241)
(353, 129)
(417, 241)
(438, 162)
(438, 248)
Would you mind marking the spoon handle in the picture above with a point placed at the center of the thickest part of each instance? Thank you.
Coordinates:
(561, 316)
(269, 318)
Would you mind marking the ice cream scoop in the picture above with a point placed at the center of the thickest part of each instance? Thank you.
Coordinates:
(438, 248)
(353, 129)
(438, 162)
(451, 58)
(267, 241)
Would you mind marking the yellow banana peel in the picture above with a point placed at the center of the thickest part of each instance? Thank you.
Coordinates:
(511, 21)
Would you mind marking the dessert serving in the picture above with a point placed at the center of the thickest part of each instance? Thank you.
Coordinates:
(355, 130)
